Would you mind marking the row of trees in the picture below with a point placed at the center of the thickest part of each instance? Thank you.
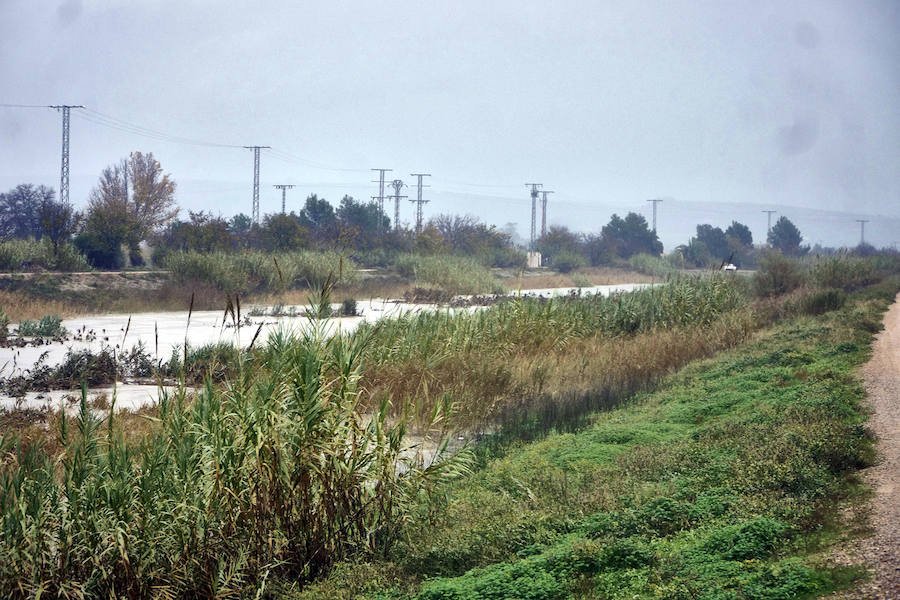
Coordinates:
(712, 246)
(134, 202)
(32, 212)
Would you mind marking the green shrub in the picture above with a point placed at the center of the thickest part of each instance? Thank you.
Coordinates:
(16, 255)
(565, 261)
(11, 256)
(505, 257)
(777, 274)
(757, 538)
(46, 326)
(843, 272)
(821, 302)
(4, 326)
(100, 252)
(654, 265)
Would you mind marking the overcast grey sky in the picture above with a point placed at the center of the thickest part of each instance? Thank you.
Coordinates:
(781, 104)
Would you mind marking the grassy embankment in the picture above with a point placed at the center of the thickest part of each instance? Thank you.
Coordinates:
(206, 501)
(721, 485)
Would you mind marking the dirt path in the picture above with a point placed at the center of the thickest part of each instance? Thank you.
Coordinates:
(882, 379)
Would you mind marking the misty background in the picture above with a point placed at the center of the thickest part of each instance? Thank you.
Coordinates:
(723, 109)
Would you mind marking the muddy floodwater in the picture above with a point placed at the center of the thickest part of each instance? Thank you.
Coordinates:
(164, 332)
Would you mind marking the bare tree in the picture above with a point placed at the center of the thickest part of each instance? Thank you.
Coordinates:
(152, 199)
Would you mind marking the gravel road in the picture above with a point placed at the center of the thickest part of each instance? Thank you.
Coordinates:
(882, 549)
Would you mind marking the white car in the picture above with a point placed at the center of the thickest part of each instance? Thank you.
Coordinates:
(729, 267)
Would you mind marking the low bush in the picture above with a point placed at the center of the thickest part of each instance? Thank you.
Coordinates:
(48, 326)
(653, 265)
(777, 274)
(565, 262)
(843, 272)
(24, 255)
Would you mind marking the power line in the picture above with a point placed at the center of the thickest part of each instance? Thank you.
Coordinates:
(256, 150)
(64, 167)
(283, 187)
(24, 106)
(419, 202)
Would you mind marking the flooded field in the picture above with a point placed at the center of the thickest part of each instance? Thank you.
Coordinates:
(163, 333)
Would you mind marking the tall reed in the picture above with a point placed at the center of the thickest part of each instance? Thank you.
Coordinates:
(277, 472)
(259, 271)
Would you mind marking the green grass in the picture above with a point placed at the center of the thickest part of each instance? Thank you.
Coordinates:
(721, 485)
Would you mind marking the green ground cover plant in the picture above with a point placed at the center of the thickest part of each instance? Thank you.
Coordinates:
(719, 485)
(46, 326)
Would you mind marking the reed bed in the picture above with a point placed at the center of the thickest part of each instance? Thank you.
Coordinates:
(260, 271)
(274, 474)
(491, 363)
(453, 274)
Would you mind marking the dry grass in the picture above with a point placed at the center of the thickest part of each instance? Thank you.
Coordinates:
(492, 390)
(18, 306)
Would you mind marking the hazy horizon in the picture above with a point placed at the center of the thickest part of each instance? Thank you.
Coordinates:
(720, 108)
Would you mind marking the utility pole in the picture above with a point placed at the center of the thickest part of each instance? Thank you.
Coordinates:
(397, 185)
(419, 202)
(64, 169)
(380, 196)
(535, 190)
(655, 201)
(283, 187)
(544, 211)
(256, 150)
(862, 230)
(769, 214)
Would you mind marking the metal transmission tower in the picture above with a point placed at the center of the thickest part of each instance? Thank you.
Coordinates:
(256, 150)
(419, 202)
(380, 196)
(769, 214)
(535, 190)
(397, 185)
(544, 211)
(862, 230)
(655, 201)
(283, 187)
(64, 169)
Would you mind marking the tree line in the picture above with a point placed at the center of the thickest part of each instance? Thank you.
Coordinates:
(133, 204)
